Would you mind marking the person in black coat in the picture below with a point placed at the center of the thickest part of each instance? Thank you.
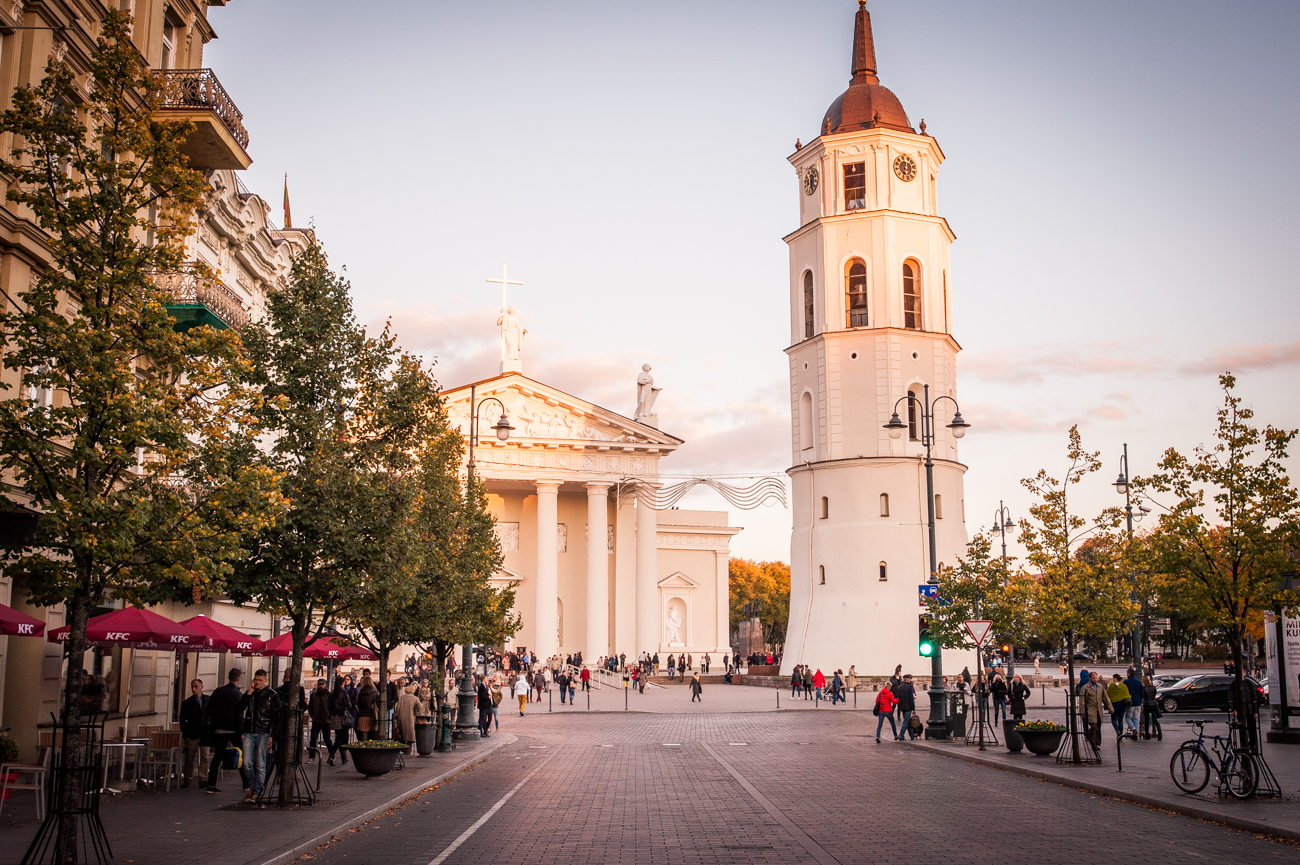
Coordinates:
(906, 694)
(194, 751)
(484, 705)
(222, 724)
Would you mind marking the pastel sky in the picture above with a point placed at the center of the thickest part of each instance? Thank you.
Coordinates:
(1121, 178)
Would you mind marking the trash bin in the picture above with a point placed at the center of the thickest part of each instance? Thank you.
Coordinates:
(426, 735)
(956, 715)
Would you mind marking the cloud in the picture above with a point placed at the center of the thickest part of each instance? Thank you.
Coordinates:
(1265, 355)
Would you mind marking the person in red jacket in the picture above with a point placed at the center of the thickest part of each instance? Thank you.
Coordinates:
(585, 676)
(819, 682)
(885, 704)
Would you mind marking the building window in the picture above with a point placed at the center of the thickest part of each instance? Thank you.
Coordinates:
(822, 569)
(911, 295)
(806, 425)
(807, 305)
(855, 186)
(884, 504)
(855, 286)
(826, 507)
(938, 507)
(884, 573)
(169, 43)
(912, 432)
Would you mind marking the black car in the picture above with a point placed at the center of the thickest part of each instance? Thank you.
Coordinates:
(1201, 693)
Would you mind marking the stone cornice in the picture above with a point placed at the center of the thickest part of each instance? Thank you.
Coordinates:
(859, 215)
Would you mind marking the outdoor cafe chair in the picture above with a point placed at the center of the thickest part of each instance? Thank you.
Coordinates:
(164, 752)
(35, 783)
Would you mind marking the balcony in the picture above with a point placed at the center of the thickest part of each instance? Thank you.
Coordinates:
(219, 139)
(198, 300)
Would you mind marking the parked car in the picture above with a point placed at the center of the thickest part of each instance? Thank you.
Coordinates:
(1200, 693)
(1164, 680)
(1078, 656)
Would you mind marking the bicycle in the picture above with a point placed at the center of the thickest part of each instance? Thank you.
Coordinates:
(1191, 764)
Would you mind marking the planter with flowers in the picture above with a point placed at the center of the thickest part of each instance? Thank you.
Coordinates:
(1041, 737)
(375, 757)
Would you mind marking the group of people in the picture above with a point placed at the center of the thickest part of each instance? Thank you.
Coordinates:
(811, 684)
(1130, 701)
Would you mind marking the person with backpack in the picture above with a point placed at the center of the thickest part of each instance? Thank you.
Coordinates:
(807, 682)
(884, 709)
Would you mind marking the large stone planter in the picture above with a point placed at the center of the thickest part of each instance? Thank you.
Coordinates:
(1041, 743)
(426, 738)
(1015, 744)
(373, 762)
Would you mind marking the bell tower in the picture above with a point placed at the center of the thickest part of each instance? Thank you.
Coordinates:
(870, 321)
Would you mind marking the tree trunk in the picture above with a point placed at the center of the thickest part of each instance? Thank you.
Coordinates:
(1071, 716)
(1244, 715)
(65, 844)
(290, 738)
(385, 728)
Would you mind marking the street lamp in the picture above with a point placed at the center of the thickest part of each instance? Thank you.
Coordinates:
(937, 726)
(1002, 523)
(1122, 487)
(466, 698)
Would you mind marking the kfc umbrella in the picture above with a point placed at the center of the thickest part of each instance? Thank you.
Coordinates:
(19, 624)
(323, 649)
(224, 638)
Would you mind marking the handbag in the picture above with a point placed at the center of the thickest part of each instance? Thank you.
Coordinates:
(233, 758)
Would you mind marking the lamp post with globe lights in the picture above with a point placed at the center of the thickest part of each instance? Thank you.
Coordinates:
(937, 726)
(1002, 523)
(466, 698)
(1122, 487)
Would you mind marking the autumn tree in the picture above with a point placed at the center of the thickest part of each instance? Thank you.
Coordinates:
(768, 583)
(981, 587)
(343, 413)
(1074, 593)
(125, 434)
(1234, 520)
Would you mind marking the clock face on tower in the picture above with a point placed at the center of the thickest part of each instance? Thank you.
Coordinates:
(904, 167)
(810, 180)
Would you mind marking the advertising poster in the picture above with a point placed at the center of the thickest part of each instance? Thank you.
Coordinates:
(1290, 653)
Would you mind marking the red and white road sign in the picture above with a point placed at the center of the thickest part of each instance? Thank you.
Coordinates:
(979, 631)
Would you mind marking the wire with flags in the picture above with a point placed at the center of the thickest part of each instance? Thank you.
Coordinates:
(764, 489)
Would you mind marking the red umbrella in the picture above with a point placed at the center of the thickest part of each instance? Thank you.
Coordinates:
(137, 629)
(19, 624)
(224, 638)
(324, 649)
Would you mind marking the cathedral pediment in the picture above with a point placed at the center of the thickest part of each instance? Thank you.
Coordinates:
(545, 416)
(678, 580)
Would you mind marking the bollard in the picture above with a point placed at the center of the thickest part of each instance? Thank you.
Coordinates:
(1044, 695)
(855, 696)
(778, 698)
(550, 701)
(625, 690)
(589, 699)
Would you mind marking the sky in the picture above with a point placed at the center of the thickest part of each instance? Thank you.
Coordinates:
(1120, 176)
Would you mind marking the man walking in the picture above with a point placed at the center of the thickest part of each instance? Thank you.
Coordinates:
(318, 709)
(192, 712)
(1133, 716)
(906, 695)
(222, 724)
(696, 689)
(1093, 702)
(521, 692)
(585, 677)
(484, 702)
(258, 707)
(819, 682)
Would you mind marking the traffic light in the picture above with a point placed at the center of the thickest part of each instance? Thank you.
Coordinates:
(925, 642)
(1006, 650)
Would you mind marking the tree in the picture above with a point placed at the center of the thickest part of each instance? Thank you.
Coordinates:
(768, 583)
(342, 412)
(1228, 535)
(982, 587)
(105, 377)
(1076, 592)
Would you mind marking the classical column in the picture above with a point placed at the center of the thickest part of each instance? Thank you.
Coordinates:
(647, 574)
(597, 572)
(546, 583)
(724, 600)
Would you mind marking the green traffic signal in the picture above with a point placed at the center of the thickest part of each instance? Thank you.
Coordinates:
(925, 643)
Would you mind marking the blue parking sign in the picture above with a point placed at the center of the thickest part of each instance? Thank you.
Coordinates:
(927, 592)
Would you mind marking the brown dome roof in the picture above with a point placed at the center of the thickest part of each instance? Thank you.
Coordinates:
(866, 104)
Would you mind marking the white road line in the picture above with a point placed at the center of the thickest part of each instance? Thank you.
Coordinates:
(478, 824)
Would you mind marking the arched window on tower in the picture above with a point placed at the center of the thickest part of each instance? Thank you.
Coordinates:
(884, 572)
(826, 508)
(855, 288)
(808, 305)
(855, 186)
(884, 504)
(913, 432)
(938, 507)
(806, 427)
(822, 569)
(911, 295)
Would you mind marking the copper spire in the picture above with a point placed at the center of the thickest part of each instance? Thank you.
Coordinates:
(864, 47)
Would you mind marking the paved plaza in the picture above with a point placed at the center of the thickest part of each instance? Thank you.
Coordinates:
(730, 779)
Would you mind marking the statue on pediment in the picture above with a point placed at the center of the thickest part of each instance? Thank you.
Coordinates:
(646, 394)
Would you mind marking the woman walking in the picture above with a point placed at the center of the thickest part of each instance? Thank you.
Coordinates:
(1150, 711)
(999, 690)
(367, 709)
(1019, 693)
(884, 709)
(341, 719)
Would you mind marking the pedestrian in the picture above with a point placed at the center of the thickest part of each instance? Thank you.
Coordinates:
(796, 680)
(521, 689)
(1019, 693)
(222, 724)
(193, 752)
(563, 681)
(483, 702)
(404, 714)
(884, 710)
(1120, 700)
(1093, 701)
(851, 680)
(585, 676)
(907, 705)
(704, 663)
(342, 719)
(1133, 716)
(807, 682)
(965, 677)
(1084, 678)
(895, 683)
(573, 689)
(1036, 669)
(696, 689)
(1150, 711)
(655, 661)
(690, 664)
(367, 708)
(819, 682)
(259, 708)
(837, 687)
(318, 709)
(999, 690)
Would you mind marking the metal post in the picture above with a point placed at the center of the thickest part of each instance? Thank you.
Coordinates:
(1136, 636)
(550, 701)
(466, 700)
(979, 692)
(937, 726)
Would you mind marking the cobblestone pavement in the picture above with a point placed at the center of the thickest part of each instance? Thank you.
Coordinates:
(762, 787)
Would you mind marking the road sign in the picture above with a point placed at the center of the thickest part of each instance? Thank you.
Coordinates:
(927, 592)
(979, 630)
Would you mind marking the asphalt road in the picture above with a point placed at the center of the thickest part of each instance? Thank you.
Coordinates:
(763, 787)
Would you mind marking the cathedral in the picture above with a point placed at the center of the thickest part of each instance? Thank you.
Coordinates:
(871, 334)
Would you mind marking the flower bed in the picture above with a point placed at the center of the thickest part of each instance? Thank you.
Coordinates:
(1045, 726)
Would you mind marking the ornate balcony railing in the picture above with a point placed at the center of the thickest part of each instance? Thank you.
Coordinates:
(190, 289)
(199, 88)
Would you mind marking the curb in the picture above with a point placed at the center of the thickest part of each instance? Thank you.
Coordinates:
(352, 822)
(1178, 806)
